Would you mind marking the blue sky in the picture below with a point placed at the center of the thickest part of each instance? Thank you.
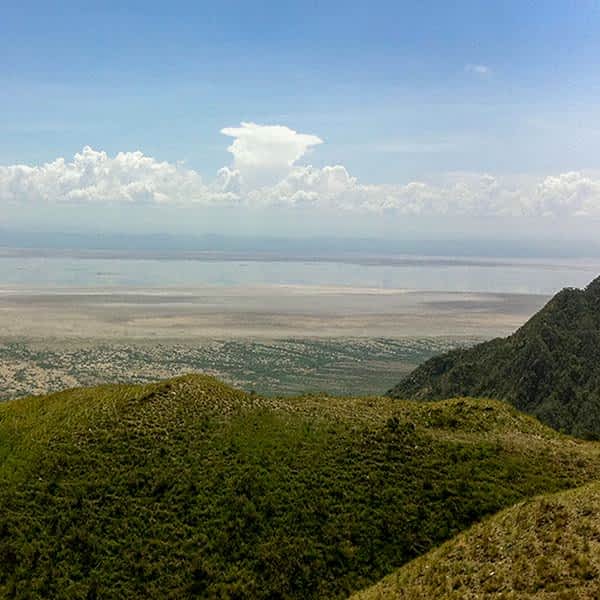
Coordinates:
(397, 92)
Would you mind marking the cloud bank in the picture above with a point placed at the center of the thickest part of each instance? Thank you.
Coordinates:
(94, 177)
(266, 172)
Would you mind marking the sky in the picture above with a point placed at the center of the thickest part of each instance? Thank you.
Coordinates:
(332, 118)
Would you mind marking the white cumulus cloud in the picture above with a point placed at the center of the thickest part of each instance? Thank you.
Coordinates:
(265, 173)
(265, 153)
(567, 194)
(93, 176)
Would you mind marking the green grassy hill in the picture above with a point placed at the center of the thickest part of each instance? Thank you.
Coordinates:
(541, 549)
(549, 368)
(188, 488)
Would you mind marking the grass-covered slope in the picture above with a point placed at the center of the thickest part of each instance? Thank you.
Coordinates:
(547, 548)
(188, 488)
(549, 368)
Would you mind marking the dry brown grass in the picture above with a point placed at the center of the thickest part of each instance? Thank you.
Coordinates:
(547, 548)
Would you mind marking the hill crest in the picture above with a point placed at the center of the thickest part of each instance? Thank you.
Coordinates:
(189, 488)
(545, 547)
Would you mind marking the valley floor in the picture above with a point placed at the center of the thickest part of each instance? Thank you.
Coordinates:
(353, 366)
(271, 339)
(257, 312)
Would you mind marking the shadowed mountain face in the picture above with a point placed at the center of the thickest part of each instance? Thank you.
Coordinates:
(549, 368)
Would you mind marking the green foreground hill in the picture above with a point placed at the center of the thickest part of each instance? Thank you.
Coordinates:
(188, 488)
(546, 548)
(549, 368)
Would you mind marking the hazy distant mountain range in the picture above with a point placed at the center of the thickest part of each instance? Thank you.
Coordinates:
(303, 246)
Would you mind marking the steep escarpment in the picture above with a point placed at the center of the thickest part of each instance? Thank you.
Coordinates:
(549, 368)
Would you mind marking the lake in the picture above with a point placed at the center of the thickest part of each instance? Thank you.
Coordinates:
(24, 269)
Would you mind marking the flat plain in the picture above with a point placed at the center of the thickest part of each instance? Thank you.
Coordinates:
(271, 339)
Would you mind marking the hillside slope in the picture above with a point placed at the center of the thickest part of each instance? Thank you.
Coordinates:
(188, 488)
(549, 368)
(541, 549)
